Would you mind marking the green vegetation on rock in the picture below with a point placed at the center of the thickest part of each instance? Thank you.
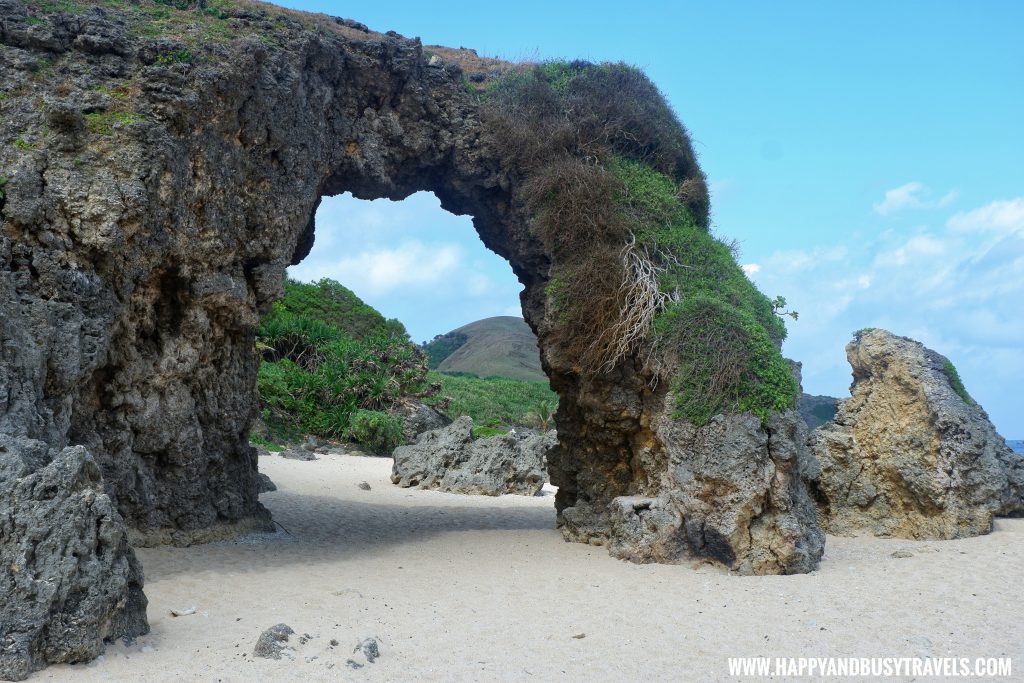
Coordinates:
(955, 381)
(619, 199)
(333, 304)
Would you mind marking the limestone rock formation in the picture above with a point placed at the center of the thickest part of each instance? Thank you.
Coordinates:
(910, 454)
(817, 410)
(449, 459)
(70, 581)
(731, 491)
(158, 176)
(417, 418)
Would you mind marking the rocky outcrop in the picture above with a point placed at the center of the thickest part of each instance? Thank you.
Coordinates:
(910, 454)
(156, 179)
(417, 418)
(731, 491)
(817, 410)
(450, 459)
(70, 581)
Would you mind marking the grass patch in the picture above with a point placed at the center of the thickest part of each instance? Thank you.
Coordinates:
(104, 123)
(266, 443)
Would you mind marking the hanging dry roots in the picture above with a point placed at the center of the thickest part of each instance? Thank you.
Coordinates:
(640, 300)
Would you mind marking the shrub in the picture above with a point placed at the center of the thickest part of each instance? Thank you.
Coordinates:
(333, 304)
(315, 376)
(955, 381)
(442, 346)
(378, 431)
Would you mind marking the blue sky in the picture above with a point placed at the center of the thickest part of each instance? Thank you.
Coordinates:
(868, 156)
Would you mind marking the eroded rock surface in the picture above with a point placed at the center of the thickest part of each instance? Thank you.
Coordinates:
(731, 491)
(910, 454)
(417, 418)
(450, 459)
(69, 579)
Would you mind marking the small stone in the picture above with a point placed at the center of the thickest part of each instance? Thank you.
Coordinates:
(353, 664)
(271, 642)
(298, 454)
(369, 649)
(580, 636)
(334, 642)
(364, 486)
(264, 484)
(899, 554)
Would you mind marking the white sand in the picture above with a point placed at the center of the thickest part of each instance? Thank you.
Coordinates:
(478, 589)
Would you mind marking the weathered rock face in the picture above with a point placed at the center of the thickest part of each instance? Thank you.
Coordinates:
(449, 459)
(417, 418)
(732, 491)
(69, 581)
(909, 456)
(817, 410)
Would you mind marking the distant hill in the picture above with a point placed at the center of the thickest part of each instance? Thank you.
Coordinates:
(1016, 445)
(503, 346)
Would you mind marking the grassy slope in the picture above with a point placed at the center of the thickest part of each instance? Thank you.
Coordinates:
(503, 346)
(495, 401)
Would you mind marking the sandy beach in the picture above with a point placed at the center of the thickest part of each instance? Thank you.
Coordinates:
(470, 588)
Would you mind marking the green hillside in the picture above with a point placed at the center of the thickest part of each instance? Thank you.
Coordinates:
(492, 402)
(334, 367)
(503, 346)
(336, 305)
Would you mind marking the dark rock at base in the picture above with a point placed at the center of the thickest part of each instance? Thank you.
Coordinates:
(298, 454)
(449, 459)
(910, 454)
(817, 410)
(272, 642)
(264, 483)
(70, 580)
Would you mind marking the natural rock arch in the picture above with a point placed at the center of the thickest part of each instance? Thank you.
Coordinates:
(155, 190)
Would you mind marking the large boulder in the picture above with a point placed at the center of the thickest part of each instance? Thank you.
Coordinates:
(70, 581)
(731, 491)
(910, 454)
(450, 459)
(417, 418)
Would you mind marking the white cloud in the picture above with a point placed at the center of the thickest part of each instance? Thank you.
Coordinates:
(750, 268)
(913, 195)
(1002, 217)
(409, 266)
(915, 247)
(956, 289)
